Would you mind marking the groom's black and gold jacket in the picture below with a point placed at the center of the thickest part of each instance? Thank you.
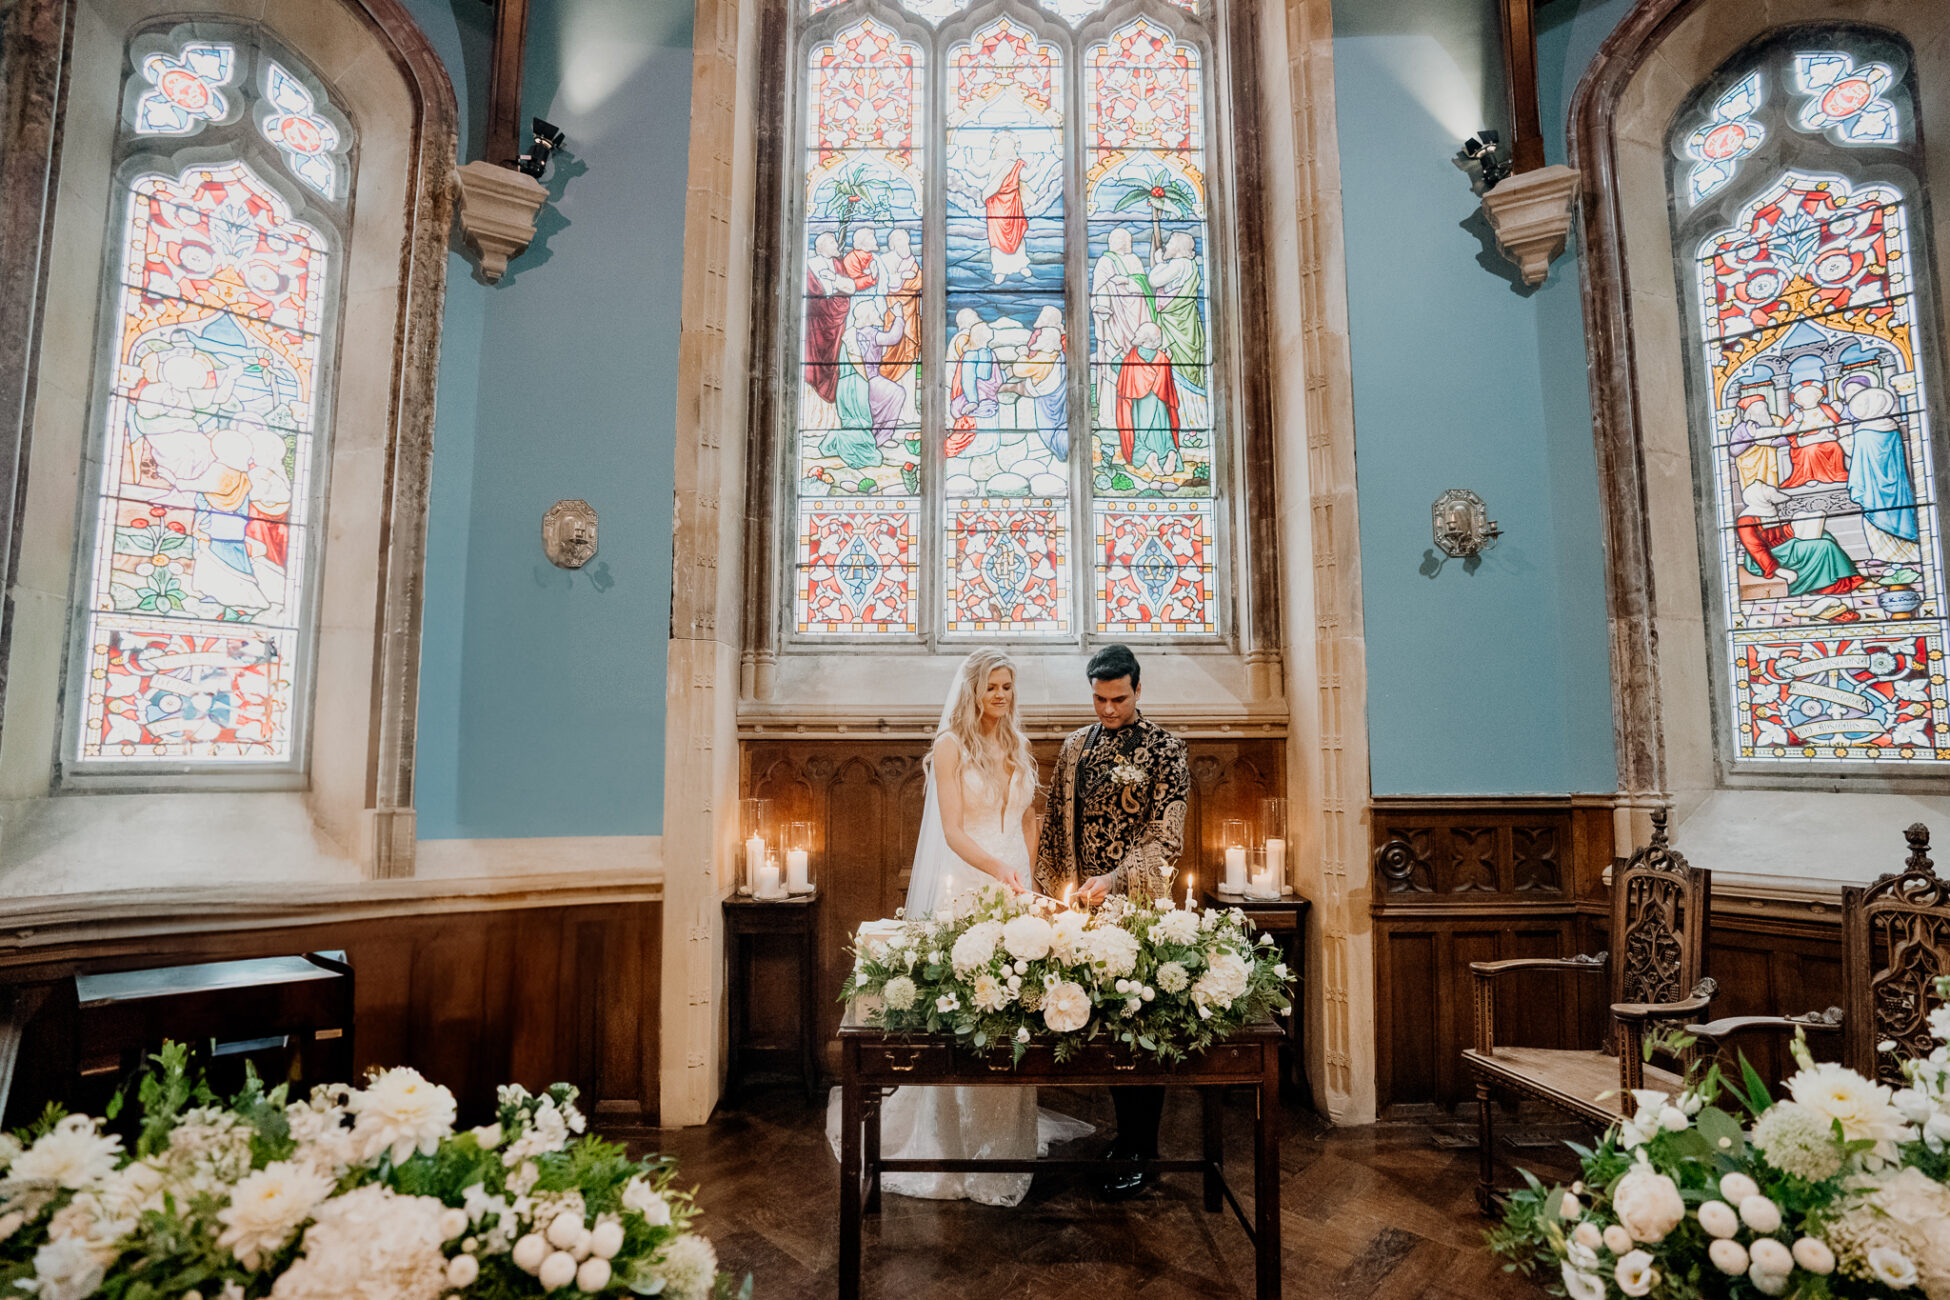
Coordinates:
(1116, 807)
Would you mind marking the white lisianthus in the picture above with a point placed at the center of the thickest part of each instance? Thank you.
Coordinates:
(1728, 1255)
(266, 1208)
(1066, 1007)
(1674, 1120)
(1172, 977)
(1891, 1267)
(400, 1112)
(1647, 1203)
(639, 1196)
(1111, 949)
(71, 1155)
(1027, 938)
(898, 994)
(1580, 1285)
(688, 1269)
(1635, 1274)
(976, 947)
(488, 1136)
(1022, 1033)
(1862, 1108)
(947, 1002)
(1175, 927)
(990, 993)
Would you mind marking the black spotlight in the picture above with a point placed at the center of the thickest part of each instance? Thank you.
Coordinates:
(1481, 150)
(548, 138)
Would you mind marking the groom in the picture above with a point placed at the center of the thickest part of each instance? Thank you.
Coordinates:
(1115, 816)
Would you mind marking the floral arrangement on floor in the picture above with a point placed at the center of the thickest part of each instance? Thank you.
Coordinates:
(1837, 1190)
(353, 1194)
(996, 969)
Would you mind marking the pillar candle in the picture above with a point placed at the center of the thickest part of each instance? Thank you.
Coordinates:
(1236, 868)
(767, 881)
(754, 859)
(796, 877)
(1276, 862)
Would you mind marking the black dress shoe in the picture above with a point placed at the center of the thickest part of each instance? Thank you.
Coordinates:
(1130, 1180)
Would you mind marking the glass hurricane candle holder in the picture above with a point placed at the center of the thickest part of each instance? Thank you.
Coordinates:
(798, 858)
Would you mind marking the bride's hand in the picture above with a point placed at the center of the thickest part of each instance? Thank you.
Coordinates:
(1011, 879)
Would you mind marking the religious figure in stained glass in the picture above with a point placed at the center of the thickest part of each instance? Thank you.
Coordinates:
(1832, 574)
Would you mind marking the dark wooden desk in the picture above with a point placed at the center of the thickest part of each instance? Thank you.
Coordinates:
(1286, 921)
(795, 918)
(874, 1062)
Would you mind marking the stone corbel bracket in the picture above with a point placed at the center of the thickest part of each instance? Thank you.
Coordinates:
(1531, 216)
(497, 213)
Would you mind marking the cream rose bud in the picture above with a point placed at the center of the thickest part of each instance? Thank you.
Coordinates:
(1771, 1256)
(462, 1270)
(1814, 1255)
(1765, 1282)
(1760, 1214)
(1568, 1208)
(593, 1275)
(557, 1271)
(529, 1252)
(1647, 1204)
(1617, 1240)
(562, 1233)
(1729, 1256)
(1588, 1236)
(453, 1222)
(606, 1240)
(1719, 1220)
(1635, 1274)
(1737, 1187)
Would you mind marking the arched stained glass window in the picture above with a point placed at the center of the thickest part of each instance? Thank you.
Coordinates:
(1816, 388)
(1010, 398)
(193, 645)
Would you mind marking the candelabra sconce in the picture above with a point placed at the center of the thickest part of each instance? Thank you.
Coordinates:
(1463, 526)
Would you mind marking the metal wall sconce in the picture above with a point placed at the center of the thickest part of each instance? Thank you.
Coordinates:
(569, 533)
(1463, 526)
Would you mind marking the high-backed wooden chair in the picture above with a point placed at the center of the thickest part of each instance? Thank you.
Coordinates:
(1660, 909)
(1895, 942)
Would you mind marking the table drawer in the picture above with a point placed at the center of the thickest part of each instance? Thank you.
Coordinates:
(1242, 1057)
(901, 1061)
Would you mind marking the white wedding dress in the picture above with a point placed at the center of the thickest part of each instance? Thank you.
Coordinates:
(964, 1123)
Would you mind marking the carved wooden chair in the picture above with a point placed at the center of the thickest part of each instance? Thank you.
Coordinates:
(1660, 909)
(1895, 942)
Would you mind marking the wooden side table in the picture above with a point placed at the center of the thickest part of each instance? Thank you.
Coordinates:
(745, 919)
(1285, 920)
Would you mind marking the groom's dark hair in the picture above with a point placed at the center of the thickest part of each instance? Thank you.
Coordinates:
(1111, 663)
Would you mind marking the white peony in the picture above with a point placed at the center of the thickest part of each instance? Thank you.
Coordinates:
(688, 1269)
(899, 993)
(68, 1269)
(1647, 1204)
(1172, 977)
(71, 1155)
(1225, 979)
(1027, 937)
(1176, 927)
(266, 1208)
(639, 1196)
(1111, 949)
(1066, 1007)
(976, 947)
(400, 1112)
(1862, 1108)
(1635, 1275)
(991, 994)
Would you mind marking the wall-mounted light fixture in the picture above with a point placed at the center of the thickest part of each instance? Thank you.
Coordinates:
(1463, 526)
(1480, 150)
(547, 139)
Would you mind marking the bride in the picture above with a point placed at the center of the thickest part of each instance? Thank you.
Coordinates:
(978, 829)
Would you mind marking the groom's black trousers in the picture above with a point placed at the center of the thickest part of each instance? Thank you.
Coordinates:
(1138, 1111)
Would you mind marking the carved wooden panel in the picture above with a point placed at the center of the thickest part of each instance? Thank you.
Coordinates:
(1430, 852)
(864, 799)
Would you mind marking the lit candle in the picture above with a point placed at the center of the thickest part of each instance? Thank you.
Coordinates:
(1236, 868)
(1066, 896)
(796, 877)
(1276, 862)
(754, 857)
(767, 881)
(1191, 890)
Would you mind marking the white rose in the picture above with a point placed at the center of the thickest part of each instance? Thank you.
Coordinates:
(1027, 938)
(1891, 1267)
(1580, 1285)
(1648, 1204)
(1617, 1240)
(1022, 1034)
(1588, 1236)
(557, 1271)
(1814, 1255)
(1635, 1274)
(1737, 1187)
(1760, 1214)
(1729, 1256)
(593, 1275)
(1719, 1220)
(1066, 1007)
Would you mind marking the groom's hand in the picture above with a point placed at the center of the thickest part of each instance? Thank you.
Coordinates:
(1093, 891)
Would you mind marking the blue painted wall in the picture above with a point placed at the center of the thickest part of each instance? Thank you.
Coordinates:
(542, 691)
(1495, 680)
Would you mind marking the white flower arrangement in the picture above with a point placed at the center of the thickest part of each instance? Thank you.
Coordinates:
(1838, 1190)
(1000, 971)
(351, 1194)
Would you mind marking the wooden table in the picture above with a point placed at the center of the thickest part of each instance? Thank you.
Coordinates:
(795, 919)
(1285, 919)
(874, 1061)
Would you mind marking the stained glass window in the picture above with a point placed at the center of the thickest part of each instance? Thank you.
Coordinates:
(1020, 440)
(1816, 386)
(193, 642)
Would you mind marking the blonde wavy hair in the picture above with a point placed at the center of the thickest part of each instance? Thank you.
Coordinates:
(988, 756)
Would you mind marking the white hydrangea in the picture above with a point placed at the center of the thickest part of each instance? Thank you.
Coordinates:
(1797, 1141)
(370, 1244)
(688, 1269)
(1226, 978)
(1112, 950)
(976, 947)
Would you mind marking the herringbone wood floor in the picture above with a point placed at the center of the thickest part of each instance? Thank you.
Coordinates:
(1378, 1213)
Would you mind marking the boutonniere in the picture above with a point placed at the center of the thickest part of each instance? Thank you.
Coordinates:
(1128, 774)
